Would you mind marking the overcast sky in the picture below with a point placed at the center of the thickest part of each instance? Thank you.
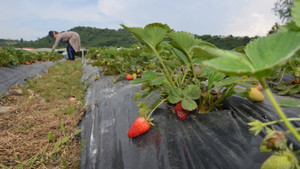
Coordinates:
(32, 19)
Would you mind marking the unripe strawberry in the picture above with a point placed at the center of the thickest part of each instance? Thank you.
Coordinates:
(255, 95)
(283, 160)
(134, 75)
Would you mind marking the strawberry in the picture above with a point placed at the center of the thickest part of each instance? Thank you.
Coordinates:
(139, 127)
(181, 113)
(294, 82)
(129, 77)
(134, 75)
(255, 95)
(279, 160)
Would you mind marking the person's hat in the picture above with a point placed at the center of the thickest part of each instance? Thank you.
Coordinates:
(51, 33)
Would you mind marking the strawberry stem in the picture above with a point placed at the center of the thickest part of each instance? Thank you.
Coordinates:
(278, 109)
(148, 117)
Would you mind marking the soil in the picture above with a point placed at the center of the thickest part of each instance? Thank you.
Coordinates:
(26, 120)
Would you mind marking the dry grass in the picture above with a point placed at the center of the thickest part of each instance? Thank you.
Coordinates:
(43, 109)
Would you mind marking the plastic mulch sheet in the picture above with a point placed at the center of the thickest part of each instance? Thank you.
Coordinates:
(13, 75)
(215, 140)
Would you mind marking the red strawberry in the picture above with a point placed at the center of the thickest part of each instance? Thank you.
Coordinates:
(139, 127)
(181, 113)
(294, 82)
(129, 77)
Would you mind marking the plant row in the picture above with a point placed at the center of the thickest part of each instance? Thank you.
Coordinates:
(11, 56)
(190, 74)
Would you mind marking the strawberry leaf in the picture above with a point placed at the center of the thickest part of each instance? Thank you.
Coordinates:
(227, 81)
(296, 12)
(213, 77)
(158, 81)
(147, 76)
(188, 104)
(175, 95)
(262, 57)
(183, 40)
(181, 55)
(290, 103)
(151, 34)
(192, 92)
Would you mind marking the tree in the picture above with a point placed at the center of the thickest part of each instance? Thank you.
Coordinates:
(274, 28)
(282, 8)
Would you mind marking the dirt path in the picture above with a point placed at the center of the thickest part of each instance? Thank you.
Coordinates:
(39, 122)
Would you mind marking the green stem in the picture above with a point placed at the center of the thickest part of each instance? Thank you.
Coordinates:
(164, 66)
(277, 121)
(281, 76)
(278, 109)
(148, 117)
(288, 131)
(153, 97)
(219, 100)
(185, 72)
(192, 65)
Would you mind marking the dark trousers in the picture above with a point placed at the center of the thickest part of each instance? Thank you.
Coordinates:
(71, 52)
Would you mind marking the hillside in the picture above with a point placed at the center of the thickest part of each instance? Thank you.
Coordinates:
(95, 37)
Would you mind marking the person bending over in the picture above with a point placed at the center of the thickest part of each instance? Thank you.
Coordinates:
(70, 37)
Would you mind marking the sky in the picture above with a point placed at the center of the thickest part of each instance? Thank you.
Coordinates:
(33, 19)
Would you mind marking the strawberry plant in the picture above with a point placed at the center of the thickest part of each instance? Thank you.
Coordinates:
(180, 75)
(262, 58)
(120, 62)
(292, 67)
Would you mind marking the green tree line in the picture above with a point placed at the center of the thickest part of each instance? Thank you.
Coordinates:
(96, 37)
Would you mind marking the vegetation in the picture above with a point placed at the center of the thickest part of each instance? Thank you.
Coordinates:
(40, 129)
(95, 37)
(10, 56)
(283, 8)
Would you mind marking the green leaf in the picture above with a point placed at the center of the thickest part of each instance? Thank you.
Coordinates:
(294, 90)
(227, 81)
(147, 76)
(243, 94)
(65, 139)
(175, 95)
(183, 40)
(245, 84)
(192, 92)
(152, 34)
(158, 81)
(296, 12)
(181, 55)
(76, 132)
(50, 137)
(188, 104)
(264, 55)
(290, 26)
(203, 52)
(230, 62)
(175, 63)
(290, 103)
(271, 51)
(214, 76)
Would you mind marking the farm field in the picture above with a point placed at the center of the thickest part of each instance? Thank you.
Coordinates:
(171, 100)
